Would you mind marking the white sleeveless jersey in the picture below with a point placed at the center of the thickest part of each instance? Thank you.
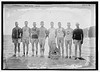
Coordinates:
(42, 32)
(52, 33)
(68, 34)
(60, 32)
(26, 32)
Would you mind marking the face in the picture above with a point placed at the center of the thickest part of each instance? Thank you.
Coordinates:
(52, 24)
(34, 24)
(16, 24)
(42, 23)
(26, 23)
(68, 24)
(59, 24)
(77, 25)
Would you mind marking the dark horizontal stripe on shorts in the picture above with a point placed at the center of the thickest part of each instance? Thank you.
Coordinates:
(35, 36)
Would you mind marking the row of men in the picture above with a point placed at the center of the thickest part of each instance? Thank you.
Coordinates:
(38, 35)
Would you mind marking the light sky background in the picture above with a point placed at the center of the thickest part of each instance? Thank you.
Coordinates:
(46, 14)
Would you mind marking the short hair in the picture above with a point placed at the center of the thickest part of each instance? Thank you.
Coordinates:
(68, 23)
(16, 22)
(77, 23)
(26, 21)
(42, 21)
(59, 22)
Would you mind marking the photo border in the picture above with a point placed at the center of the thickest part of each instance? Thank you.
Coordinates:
(52, 2)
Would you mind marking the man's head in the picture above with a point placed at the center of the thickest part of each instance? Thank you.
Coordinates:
(77, 25)
(26, 23)
(16, 24)
(68, 24)
(52, 24)
(59, 24)
(42, 23)
(34, 24)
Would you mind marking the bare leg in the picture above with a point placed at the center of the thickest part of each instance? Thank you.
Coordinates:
(37, 49)
(66, 44)
(79, 50)
(18, 48)
(58, 43)
(43, 48)
(70, 44)
(33, 49)
(15, 49)
(27, 48)
(40, 49)
(62, 50)
(23, 48)
(62, 45)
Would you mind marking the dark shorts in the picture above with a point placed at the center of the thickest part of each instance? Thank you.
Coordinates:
(16, 40)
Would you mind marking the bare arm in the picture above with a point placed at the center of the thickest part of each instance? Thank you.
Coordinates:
(64, 32)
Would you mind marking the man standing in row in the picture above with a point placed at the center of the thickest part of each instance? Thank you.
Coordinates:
(60, 33)
(51, 36)
(68, 39)
(34, 38)
(78, 40)
(25, 37)
(42, 36)
(16, 38)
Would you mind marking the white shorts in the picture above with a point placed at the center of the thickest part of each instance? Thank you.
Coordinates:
(25, 40)
(50, 41)
(60, 40)
(34, 41)
(42, 41)
(77, 42)
(68, 42)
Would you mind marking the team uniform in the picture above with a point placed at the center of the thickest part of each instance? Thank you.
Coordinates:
(60, 38)
(34, 38)
(68, 40)
(42, 37)
(26, 35)
(78, 39)
(51, 37)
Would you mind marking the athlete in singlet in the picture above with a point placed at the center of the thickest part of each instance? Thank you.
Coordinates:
(68, 39)
(16, 38)
(60, 33)
(42, 36)
(78, 40)
(34, 38)
(25, 37)
(51, 36)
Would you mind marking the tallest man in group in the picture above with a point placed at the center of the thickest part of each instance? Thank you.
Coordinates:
(78, 40)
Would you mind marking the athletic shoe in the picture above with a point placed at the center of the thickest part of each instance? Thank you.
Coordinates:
(66, 57)
(14, 55)
(70, 57)
(80, 58)
(32, 55)
(76, 58)
(23, 55)
(48, 56)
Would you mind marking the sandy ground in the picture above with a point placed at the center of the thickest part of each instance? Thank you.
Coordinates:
(29, 62)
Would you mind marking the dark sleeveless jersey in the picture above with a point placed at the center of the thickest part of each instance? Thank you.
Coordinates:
(34, 32)
(78, 34)
(16, 33)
